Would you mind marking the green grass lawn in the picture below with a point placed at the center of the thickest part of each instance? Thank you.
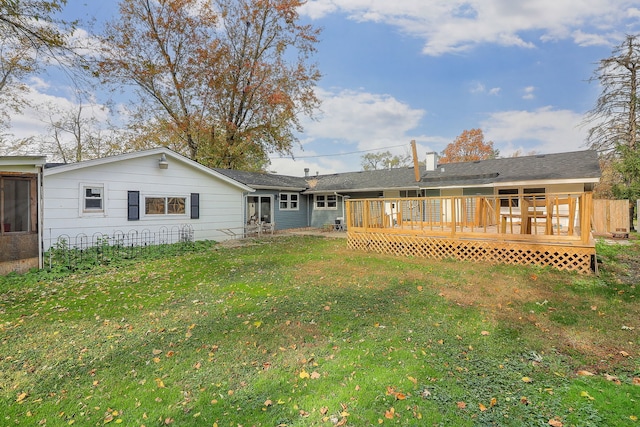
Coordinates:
(301, 331)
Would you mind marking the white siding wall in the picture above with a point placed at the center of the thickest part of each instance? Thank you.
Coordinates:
(220, 203)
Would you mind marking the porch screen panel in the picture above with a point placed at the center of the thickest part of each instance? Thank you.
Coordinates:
(16, 205)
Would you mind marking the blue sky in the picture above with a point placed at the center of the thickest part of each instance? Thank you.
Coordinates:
(426, 70)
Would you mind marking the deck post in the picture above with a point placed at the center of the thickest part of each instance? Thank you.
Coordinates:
(586, 209)
(453, 217)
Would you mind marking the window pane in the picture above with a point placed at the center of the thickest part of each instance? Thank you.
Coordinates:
(154, 205)
(514, 200)
(93, 192)
(93, 198)
(294, 205)
(176, 205)
(17, 205)
(283, 205)
(94, 204)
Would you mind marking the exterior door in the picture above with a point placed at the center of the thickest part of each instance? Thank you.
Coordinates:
(260, 208)
(19, 248)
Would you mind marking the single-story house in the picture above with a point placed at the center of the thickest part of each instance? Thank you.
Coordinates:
(319, 200)
(20, 213)
(278, 200)
(155, 194)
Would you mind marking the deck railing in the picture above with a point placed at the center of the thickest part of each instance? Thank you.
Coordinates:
(535, 218)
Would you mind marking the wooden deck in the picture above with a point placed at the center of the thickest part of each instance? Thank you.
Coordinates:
(543, 229)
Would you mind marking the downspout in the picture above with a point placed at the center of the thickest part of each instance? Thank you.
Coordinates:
(40, 217)
(342, 198)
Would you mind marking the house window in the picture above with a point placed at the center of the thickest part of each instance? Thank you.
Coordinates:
(93, 199)
(288, 201)
(408, 193)
(165, 205)
(504, 203)
(326, 201)
(15, 205)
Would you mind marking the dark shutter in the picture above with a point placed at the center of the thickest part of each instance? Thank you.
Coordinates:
(133, 205)
(195, 205)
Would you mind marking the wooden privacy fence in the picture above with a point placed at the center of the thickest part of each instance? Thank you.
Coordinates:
(611, 217)
(543, 229)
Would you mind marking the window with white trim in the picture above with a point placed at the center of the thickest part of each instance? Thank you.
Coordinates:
(93, 198)
(326, 201)
(288, 201)
(154, 205)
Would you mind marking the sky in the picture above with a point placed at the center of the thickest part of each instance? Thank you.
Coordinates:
(426, 70)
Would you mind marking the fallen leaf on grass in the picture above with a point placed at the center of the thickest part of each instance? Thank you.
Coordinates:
(493, 402)
(585, 394)
(482, 407)
(612, 378)
(624, 353)
(635, 381)
(527, 380)
(390, 413)
(555, 423)
(485, 333)
(304, 374)
(21, 397)
(461, 405)
(159, 383)
(585, 373)
(315, 375)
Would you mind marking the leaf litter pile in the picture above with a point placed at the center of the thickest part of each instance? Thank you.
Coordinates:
(300, 331)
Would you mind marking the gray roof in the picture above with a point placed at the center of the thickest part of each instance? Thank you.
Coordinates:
(261, 180)
(573, 166)
(374, 180)
(578, 165)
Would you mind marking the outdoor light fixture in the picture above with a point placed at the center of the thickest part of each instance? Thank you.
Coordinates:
(163, 163)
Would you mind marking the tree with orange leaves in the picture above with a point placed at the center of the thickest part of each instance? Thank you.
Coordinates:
(469, 147)
(225, 80)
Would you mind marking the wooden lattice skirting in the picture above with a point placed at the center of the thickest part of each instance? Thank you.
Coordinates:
(562, 257)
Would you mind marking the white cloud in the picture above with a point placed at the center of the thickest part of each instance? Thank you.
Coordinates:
(545, 130)
(364, 118)
(449, 26)
(479, 88)
(33, 121)
(529, 92)
(353, 122)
